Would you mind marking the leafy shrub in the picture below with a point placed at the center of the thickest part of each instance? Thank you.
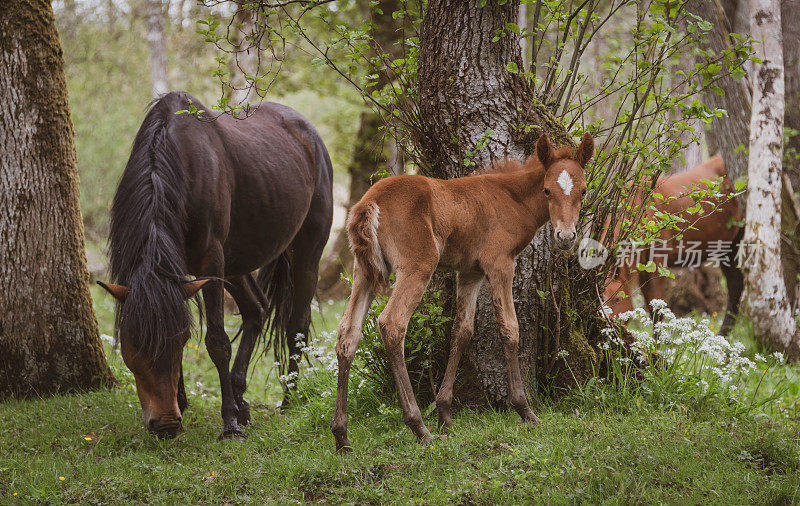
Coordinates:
(425, 349)
(687, 366)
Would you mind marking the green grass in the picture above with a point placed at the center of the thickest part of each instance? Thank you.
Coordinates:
(582, 451)
(645, 455)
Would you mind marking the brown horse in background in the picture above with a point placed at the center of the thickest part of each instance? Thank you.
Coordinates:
(475, 225)
(721, 224)
(216, 197)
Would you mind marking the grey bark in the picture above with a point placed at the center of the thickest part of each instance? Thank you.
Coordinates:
(48, 332)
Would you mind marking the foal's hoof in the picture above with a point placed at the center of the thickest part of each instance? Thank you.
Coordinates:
(344, 448)
(531, 422)
(427, 439)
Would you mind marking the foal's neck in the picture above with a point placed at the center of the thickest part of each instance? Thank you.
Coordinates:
(527, 188)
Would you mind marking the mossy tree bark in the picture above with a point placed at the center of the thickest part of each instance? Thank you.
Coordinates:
(48, 332)
(466, 98)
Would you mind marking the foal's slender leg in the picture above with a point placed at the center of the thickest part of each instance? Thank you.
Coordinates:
(392, 323)
(253, 317)
(349, 336)
(218, 344)
(500, 279)
(468, 289)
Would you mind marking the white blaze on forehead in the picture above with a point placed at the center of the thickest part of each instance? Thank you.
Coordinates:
(565, 182)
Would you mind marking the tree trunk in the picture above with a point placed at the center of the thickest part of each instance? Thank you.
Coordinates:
(48, 332)
(728, 135)
(157, 48)
(466, 97)
(767, 297)
(369, 156)
(790, 245)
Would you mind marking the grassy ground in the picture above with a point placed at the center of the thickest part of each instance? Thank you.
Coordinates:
(92, 448)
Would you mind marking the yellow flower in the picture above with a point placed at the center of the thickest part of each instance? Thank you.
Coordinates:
(87, 438)
(15, 493)
(61, 478)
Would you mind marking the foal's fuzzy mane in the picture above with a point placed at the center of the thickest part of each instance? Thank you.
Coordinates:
(509, 165)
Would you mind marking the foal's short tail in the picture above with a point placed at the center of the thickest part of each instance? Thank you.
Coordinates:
(362, 229)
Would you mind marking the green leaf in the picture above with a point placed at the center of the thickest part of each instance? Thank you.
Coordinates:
(512, 67)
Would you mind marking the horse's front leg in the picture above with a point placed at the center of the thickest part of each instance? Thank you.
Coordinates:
(251, 305)
(219, 349)
(500, 279)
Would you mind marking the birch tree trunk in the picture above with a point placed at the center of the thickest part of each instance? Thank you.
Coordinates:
(466, 97)
(157, 48)
(766, 291)
(48, 331)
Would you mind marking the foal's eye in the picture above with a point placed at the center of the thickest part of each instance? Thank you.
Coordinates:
(547, 192)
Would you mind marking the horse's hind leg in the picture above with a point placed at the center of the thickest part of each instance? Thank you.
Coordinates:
(349, 335)
(468, 289)
(735, 281)
(304, 253)
(251, 306)
(393, 321)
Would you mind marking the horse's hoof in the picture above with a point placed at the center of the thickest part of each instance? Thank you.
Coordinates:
(233, 435)
(243, 417)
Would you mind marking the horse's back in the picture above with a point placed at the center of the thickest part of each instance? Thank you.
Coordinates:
(252, 183)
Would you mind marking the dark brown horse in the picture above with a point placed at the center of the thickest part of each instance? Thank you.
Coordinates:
(217, 198)
(475, 225)
(703, 230)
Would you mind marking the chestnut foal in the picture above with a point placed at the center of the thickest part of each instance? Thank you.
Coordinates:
(475, 225)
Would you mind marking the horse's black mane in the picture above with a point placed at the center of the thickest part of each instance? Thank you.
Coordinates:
(148, 218)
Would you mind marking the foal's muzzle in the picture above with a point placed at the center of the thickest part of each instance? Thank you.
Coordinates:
(565, 239)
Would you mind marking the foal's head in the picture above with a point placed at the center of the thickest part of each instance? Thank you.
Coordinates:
(564, 185)
(152, 338)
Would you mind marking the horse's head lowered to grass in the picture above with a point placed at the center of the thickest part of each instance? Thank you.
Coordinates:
(564, 185)
(154, 360)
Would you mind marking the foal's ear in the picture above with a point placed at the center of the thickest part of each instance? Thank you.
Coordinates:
(585, 151)
(544, 150)
(192, 287)
(118, 291)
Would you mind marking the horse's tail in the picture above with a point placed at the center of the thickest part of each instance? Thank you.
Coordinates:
(275, 281)
(362, 229)
(148, 220)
